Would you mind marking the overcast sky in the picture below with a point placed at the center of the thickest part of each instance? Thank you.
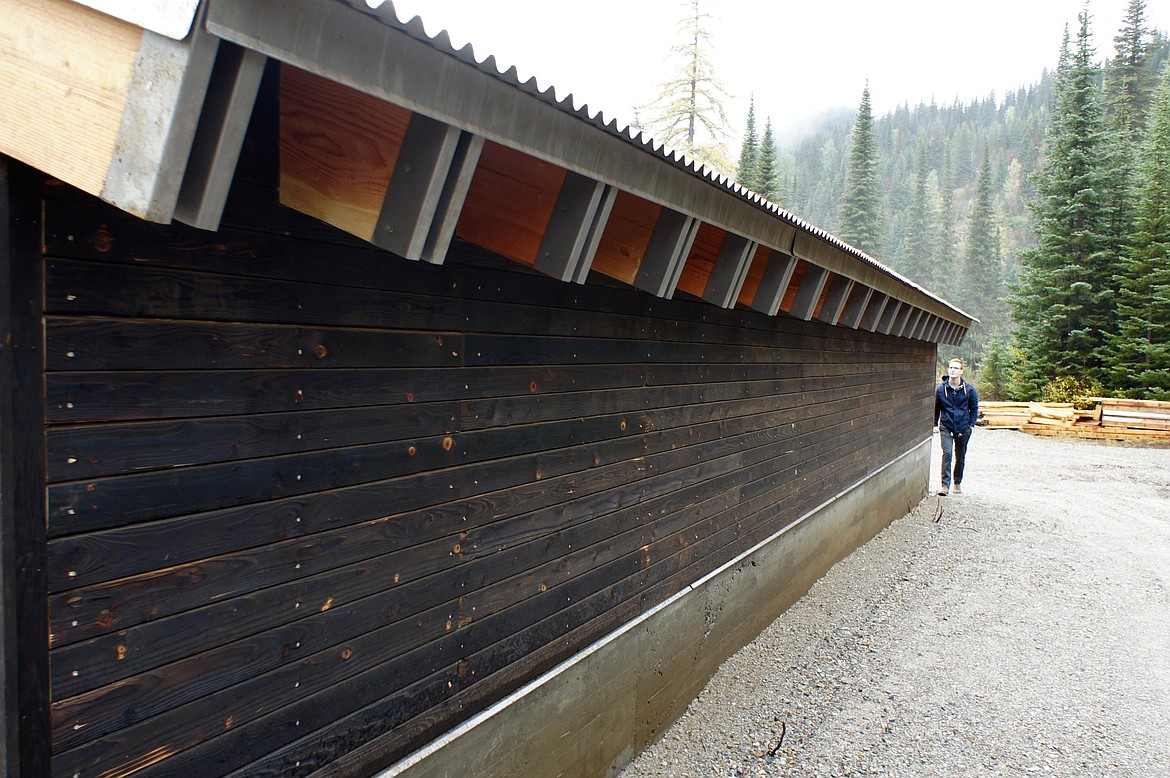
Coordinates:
(797, 57)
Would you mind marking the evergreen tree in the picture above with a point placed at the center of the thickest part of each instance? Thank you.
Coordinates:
(1141, 349)
(749, 152)
(1128, 80)
(766, 181)
(980, 282)
(994, 370)
(815, 167)
(920, 228)
(688, 114)
(861, 204)
(946, 253)
(1064, 306)
(1126, 94)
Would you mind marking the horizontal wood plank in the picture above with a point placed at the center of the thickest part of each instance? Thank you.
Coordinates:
(311, 504)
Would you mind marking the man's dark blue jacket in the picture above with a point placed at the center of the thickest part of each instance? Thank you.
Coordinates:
(956, 409)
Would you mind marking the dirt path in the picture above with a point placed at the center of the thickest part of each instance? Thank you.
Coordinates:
(1028, 631)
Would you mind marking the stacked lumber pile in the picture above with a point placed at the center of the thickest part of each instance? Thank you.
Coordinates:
(1149, 415)
(1019, 414)
(1111, 418)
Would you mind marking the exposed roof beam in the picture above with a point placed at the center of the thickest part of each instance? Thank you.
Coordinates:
(219, 136)
(952, 335)
(835, 297)
(898, 327)
(859, 298)
(889, 315)
(931, 327)
(574, 231)
(667, 253)
(426, 191)
(398, 63)
(777, 277)
(731, 268)
(873, 311)
(809, 293)
(920, 325)
(162, 110)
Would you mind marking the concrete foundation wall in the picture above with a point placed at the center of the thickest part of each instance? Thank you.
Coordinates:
(590, 715)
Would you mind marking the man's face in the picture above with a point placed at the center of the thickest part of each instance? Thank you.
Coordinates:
(955, 370)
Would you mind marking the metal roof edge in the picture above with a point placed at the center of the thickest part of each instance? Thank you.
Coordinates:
(169, 18)
(334, 40)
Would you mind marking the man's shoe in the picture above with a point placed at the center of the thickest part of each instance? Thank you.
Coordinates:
(943, 492)
(958, 489)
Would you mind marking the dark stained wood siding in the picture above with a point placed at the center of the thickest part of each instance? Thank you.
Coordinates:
(303, 494)
(23, 622)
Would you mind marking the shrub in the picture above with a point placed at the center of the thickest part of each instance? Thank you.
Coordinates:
(1069, 389)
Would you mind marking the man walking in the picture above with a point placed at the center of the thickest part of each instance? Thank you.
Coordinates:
(956, 409)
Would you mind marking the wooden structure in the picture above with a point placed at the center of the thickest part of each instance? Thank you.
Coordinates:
(1111, 418)
(277, 500)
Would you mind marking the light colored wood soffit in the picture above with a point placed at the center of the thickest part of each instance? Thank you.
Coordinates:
(65, 73)
(338, 148)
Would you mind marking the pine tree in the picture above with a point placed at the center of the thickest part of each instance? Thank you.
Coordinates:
(980, 284)
(1129, 82)
(1064, 306)
(861, 204)
(920, 228)
(749, 152)
(1127, 89)
(688, 114)
(995, 370)
(1141, 350)
(766, 183)
(946, 253)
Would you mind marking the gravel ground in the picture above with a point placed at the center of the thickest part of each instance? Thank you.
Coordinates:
(1026, 632)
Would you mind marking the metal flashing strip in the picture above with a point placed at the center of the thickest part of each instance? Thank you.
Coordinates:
(169, 18)
(376, 53)
(527, 689)
(409, 761)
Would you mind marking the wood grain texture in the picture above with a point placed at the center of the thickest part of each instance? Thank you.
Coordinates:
(24, 675)
(754, 275)
(510, 202)
(309, 502)
(65, 74)
(701, 261)
(626, 236)
(338, 148)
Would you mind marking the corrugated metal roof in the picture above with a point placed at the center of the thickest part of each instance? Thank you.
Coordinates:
(490, 65)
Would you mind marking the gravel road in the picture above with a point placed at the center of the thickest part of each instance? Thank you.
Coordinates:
(1026, 632)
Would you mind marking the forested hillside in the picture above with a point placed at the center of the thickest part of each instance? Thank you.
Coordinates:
(928, 159)
(959, 182)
